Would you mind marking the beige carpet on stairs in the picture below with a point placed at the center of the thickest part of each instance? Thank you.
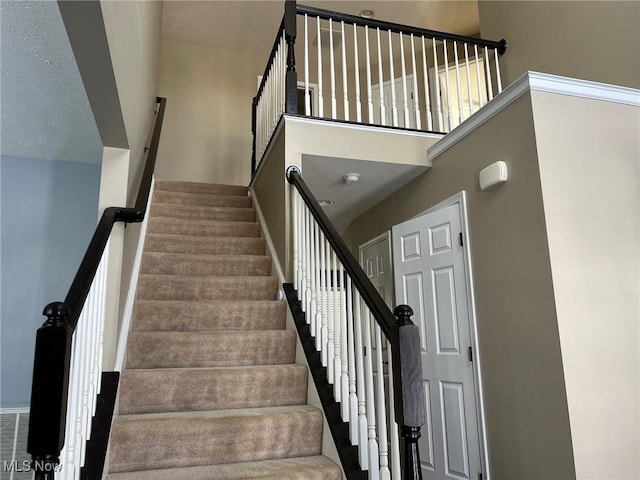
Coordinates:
(210, 389)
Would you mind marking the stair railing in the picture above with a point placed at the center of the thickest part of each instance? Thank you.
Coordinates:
(369, 71)
(67, 366)
(358, 338)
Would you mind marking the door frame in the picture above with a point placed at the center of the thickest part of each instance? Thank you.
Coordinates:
(385, 235)
(461, 199)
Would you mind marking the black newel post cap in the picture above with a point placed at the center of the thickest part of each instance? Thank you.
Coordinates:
(403, 314)
(56, 312)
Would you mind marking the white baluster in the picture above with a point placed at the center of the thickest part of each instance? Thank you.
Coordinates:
(323, 341)
(296, 246)
(383, 446)
(469, 92)
(337, 340)
(488, 67)
(477, 58)
(319, 238)
(353, 398)
(416, 99)
(302, 291)
(393, 427)
(405, 98)
(458, 90)
(308, 272)
(394, 105)
(363, 453)
(448, 83)
(372, 444)
(314, 267)
(498, 79)
(307, 95)
(369, 94)
(334, 103)
(383, 120)
(344, 75)
(344, 378)
(331, 348)
(437, 80)
(356, 72)
(427, 93)
(320, 98)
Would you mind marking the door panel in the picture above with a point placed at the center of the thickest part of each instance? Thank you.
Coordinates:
(430, 277)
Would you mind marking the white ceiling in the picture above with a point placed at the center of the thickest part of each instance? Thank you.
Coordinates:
(378, 180)
(251, 26)
(45, 111)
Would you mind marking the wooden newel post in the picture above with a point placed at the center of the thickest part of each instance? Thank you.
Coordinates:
(409, 397)
(291, 84)
(48, 412)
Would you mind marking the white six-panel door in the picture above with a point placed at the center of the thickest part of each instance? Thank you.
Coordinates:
(430, 277)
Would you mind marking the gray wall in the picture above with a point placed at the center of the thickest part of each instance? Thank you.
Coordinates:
(48, 211)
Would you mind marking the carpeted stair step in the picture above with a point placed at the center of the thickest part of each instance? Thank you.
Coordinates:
(196, 187)
(156, 242)
(179, 226)
(210, 349)
(190, 264)
(199, 212)
(183, 389)
(182, 198)
(300, 468)
(183, 287)
(170, 440)
(186, 315)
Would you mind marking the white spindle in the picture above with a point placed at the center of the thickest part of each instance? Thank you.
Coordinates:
(331, 348)
(372, 444)
(337, 340)
(416, 99)
(488, 67)
(458, 89)
(369, 94)
(344, 75)
(296, 246)
(320, 98)
(363, 453)
(317, 322)
(307, 92)
(353, 399)
(380, 82)
(477, 58)
(313, 274)
(307, 275)
(469, 92)
(498, 79)
(393, 427)
(427, 93)
(394, 105)
(303, 257)
(344, 378)
(383, 446)
(322, 341)
(448, 83)
(437, 80)
(405, 97)
(356, 71)
(334, 103)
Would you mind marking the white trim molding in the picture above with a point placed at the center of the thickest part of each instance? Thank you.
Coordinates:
(133, 287)
(539, 82)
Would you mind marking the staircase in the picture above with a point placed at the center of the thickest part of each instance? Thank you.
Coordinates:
(210, 389)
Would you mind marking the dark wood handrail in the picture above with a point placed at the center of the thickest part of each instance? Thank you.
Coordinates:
(52, 358)
(398, 28)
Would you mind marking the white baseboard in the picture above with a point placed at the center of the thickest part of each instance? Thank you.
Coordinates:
(133, 286)
(270, 247)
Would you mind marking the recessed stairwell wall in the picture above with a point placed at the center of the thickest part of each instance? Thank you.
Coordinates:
(555, 255)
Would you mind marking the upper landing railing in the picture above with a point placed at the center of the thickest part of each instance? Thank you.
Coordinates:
(373, 72)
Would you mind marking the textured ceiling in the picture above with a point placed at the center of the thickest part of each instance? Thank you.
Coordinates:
(45, 111)
(250, 26)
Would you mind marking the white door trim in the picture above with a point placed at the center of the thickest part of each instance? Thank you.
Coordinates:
(461, 198)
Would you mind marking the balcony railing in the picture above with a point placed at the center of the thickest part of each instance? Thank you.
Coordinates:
(368, 71)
